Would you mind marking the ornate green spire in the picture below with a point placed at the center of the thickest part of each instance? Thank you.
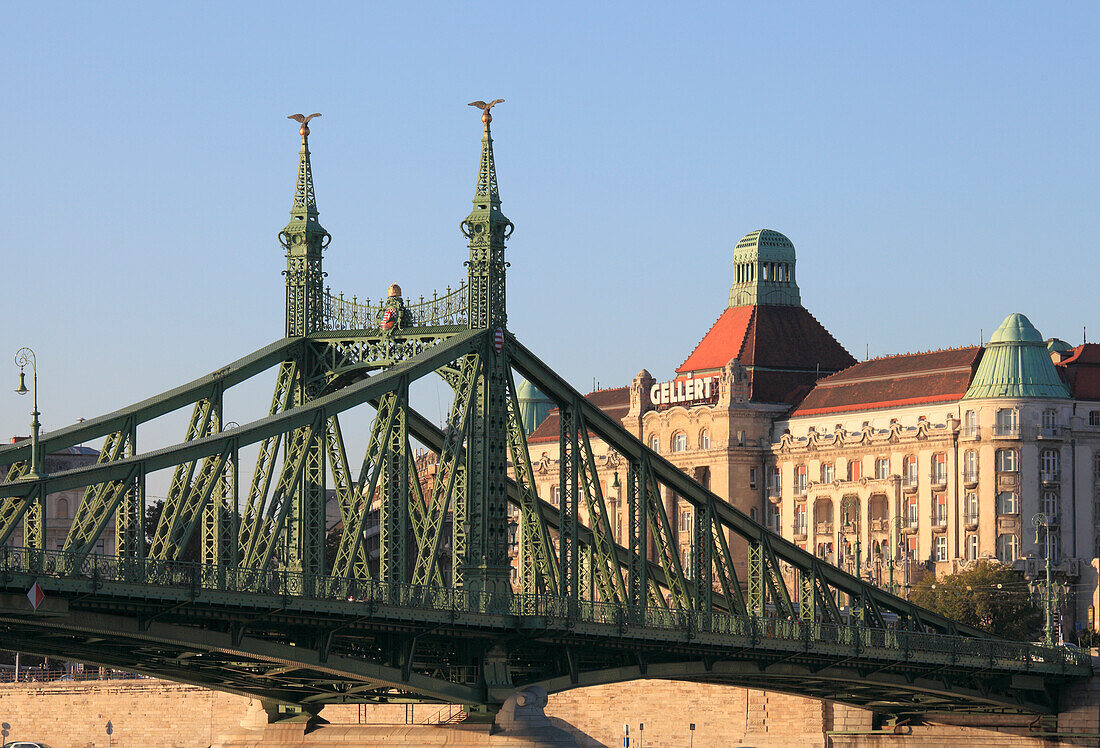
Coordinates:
(304, 239)
(487, 229)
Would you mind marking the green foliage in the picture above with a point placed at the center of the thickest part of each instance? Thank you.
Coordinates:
(990, 596)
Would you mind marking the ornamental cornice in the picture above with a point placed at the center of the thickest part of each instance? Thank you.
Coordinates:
(864, 438)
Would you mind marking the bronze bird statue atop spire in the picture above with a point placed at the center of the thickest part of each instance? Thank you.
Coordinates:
(305, 121)
(486, 117)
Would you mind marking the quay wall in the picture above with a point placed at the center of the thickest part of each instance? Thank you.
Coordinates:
(171, 715)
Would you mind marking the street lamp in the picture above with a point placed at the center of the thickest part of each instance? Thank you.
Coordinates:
(23, 357)
(1040, 520)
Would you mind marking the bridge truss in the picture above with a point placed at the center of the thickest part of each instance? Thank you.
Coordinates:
(417, 602)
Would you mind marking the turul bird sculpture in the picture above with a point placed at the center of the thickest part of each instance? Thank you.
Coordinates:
(486, 117)
(304, 120)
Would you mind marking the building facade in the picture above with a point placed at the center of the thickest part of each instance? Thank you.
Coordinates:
(891, 468)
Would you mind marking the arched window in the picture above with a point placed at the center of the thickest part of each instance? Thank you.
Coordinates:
(1008, 423)
(655, 443)
(1008, 503)
(909, 471)
(855, 470)
(679, 441)
(800, 474)
(1008, 460)
(61, 509)
(882, 468)
(555, 495)
(1008, 548)
(704, 439)
(970, 423)
(939, 468)
(972, 507)
(970, 466)
(828, 472)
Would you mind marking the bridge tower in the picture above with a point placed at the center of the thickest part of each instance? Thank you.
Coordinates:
(304, 240)
(483, 520)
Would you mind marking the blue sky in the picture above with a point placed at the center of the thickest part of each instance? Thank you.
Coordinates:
(935, 165)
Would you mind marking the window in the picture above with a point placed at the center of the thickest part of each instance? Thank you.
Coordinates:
(1007, 423)
(972, 507)
(752, 477)
(1049, 505)
(1094, 418)
(882, 468)
(1055, 546)
(828, 472)
(685, 560)
(800, 480)
(555, 495)
(911, 511)
(909, 471)
(1008, 548)
(704, 439)
(773, 479)
(1050, 421)
(939, 509)
(855, 470)
(655, 443)
(800, 519)
(970, 466)
(1008, 460)
(679, 442)
(970, 423)
(740, 438)
(754, 514)
(1048, 464)
(939, 468)
(941, 548)
(771, 512)
(971, 547)
(1008, 503)
(61, 509)
(685, 521)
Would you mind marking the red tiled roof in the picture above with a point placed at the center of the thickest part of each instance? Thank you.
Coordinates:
(722, 342)
(908, 379)
(1081, 370)
(614, 402)
(784, 348)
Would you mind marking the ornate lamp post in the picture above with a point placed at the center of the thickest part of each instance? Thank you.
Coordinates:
(1040, 520)
(23, 357)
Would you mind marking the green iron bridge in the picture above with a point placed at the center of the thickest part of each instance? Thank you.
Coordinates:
(432, 613)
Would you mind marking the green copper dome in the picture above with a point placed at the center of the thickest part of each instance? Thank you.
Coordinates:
(533, 406)
(1016, 363)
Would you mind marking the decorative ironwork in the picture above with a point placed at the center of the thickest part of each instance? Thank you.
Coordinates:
(448, 310)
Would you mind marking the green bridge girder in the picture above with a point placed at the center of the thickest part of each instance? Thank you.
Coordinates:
(430, 613)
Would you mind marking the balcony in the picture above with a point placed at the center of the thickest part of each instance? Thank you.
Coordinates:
(970, 478)
(909, 482)
(824, 528)
(939, 478)
(971, 520)
(939, 522)
(1007, 431)
(800, 489)
(971, 432)
(1050, 432)
(879, 525)
(1049, 476)
(799, 530)
(909, 524)
(774, 489)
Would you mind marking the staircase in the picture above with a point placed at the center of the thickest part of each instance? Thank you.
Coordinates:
(448, 715)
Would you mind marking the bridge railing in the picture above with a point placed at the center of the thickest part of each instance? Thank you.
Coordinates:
(100, 570)
(452, 308)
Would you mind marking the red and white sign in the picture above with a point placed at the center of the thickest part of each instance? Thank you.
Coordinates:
(389, 318)
(36, 595)
(678, 391)
(498, 340)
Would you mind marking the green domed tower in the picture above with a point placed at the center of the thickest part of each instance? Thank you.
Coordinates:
(763, 271)
(533, 406)
(1016, 363)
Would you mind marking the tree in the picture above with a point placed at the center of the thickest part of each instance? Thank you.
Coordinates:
(191, 552)
(990, 596)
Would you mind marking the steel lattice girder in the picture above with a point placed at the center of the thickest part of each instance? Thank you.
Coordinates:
(626, 444)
